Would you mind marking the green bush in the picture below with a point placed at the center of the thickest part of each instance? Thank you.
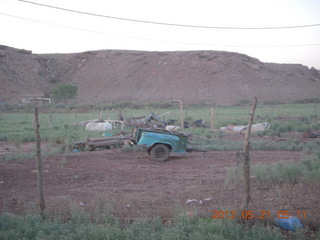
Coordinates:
(17, 156)
(269, 132)
(278, 173)
(296, 126)
(308, 170)
(311, 163)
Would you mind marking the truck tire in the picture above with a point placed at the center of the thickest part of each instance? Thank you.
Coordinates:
(149, 154)
(159, 152)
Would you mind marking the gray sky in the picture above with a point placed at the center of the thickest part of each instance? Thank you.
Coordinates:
(50, 30)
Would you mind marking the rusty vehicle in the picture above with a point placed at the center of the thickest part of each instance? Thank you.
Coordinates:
(159, 143)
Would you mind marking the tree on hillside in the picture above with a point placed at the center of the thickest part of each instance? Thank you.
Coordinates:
(64, 92)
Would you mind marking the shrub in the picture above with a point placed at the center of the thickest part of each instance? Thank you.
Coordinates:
(311, 163)
(278, 173)
(17, 156)
(293, 173)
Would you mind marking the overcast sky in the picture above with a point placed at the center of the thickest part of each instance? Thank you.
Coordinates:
(207, 25)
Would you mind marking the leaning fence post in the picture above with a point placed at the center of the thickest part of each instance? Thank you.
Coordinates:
(39, 161)
(246, 164)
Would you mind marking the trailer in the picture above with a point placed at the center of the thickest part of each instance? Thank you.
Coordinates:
(159, 143)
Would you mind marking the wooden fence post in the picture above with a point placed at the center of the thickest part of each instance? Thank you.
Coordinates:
(212, 118)
(50, 119)
(120, 116)
(101, 115)
(181, 116)
(315, 111)
(246, 164)
(39, 162)
(186, 110)
(181, 112)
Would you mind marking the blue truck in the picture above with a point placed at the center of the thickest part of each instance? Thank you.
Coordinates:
(160, 143)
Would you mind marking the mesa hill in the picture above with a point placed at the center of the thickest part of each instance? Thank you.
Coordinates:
(212, 77)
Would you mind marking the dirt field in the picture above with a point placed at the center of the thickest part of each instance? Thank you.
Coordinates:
(133, 186)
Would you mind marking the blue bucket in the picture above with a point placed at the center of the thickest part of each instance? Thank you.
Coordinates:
(291, 224)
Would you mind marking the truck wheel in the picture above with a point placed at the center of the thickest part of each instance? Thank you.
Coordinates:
(159, 152)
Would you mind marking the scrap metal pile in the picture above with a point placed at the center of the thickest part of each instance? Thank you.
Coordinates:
(103, 142)
(150, 121)
(156, 122)
(107, 142)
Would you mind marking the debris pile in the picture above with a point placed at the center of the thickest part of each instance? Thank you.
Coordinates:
(103, 142)
(242, 128)
(156, 122)
(310, 134)
(200, 123)
(107, 142)
(150, 121)
(99, 126)
(201, 202)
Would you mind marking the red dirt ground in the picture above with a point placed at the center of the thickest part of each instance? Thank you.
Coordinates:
(133, 186)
